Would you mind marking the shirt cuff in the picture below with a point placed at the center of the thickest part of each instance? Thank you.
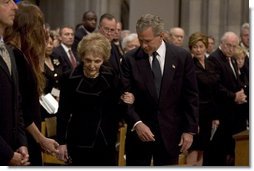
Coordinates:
(133, 128)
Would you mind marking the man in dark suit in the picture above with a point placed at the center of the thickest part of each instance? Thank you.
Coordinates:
(87, 26)
(231, 96)
(107, 27)
(164, 116)
(13, 150)
(64, 51)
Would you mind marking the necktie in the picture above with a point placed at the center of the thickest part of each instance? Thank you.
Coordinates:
(5, 55)
(156, 73)
(231, 66)
(72, 59)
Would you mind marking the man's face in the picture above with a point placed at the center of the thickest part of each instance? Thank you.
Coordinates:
(211, 45)
(245, 37)
(67, 36)
(90, 21)
(118, 31)
(107, 28)
(229, 46)
(148, 41)
(7, 13)
(177, 37)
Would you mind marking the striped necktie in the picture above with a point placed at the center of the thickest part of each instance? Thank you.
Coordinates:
(5, 55)
(72, 59)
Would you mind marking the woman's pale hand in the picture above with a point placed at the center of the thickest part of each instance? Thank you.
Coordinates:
(128, 98)
(49, 145)
(63, 153)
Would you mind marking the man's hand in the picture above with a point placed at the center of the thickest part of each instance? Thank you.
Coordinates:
(185, 142)
(240, 97)
(25, 156)
(128, 98)
(144, 132)
(20, 157)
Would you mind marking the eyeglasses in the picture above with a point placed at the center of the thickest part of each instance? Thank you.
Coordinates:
(230, 46)
(108, 30)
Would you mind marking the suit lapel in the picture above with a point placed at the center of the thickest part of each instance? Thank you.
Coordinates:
(146, 72)
(169, 70)
(4, 66)
(65, 56)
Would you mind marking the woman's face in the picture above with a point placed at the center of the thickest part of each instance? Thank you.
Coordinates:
(49, 46)
(198, 50)
(240, 60)
(92, 63)
(132, 44)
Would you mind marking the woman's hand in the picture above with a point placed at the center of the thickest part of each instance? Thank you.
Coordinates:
(128, 98)
(49, 145)
(63, 153)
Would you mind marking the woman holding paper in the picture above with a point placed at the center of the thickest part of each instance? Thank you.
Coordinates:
(53, 75)
(87, 119)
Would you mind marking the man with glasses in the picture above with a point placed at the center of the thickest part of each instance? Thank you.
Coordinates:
(107, 27)
(164, 116)
(231, 96)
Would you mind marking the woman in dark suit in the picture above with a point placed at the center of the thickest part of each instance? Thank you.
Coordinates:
(87, 119)
(207, 85)
(53, 72)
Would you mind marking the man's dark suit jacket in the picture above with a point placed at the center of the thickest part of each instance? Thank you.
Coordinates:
(176, 110)
(79, 34)
(228, 86)
(62, 55)
(12, 134)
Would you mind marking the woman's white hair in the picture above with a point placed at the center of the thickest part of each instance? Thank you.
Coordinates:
(128, 39)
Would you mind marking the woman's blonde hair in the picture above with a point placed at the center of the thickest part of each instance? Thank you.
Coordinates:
(96, 44)
(239, 51)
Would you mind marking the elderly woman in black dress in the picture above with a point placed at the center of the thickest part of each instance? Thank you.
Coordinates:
(87, 119)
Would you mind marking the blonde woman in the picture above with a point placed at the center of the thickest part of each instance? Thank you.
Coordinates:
(87, 119)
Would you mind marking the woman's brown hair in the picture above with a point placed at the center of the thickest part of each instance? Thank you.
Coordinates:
(28, 34)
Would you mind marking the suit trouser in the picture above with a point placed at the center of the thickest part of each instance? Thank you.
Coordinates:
(140, 153)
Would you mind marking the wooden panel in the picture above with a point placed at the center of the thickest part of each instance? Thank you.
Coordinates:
(242, 148)
(48, 159)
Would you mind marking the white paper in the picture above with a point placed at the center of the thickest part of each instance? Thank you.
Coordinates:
(49, 103)
(55, 92)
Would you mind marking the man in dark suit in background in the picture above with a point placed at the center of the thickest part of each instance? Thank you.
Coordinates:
(64, 51)
(231, 96)
(164, 116)
(107, 27)
(87, 26)
(13, 143)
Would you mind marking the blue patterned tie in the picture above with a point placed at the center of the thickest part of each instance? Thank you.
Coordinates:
(156, 73)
